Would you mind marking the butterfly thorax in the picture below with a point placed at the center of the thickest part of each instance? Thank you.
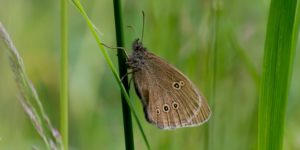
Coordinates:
(138, 57)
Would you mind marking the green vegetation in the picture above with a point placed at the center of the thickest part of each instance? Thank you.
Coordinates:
(228, 49)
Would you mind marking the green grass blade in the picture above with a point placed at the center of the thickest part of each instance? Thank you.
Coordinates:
(277, 68)
(94, 32)
(127, 123)
(64, 84)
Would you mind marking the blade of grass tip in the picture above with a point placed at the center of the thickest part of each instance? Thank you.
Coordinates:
(127, 123)
(27, 90)
(111, 66)
(277, 68)
(245, 58)
(64, 81)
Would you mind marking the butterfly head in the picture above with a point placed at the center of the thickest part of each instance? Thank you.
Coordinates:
(137, 45)
(137, 58)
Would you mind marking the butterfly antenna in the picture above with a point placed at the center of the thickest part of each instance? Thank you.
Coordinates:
(143, 25)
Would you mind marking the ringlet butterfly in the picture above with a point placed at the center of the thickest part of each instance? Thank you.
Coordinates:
(169, 98)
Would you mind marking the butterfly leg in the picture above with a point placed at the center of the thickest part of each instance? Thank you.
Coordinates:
(128, 73)
(121, 48)
(129, 79)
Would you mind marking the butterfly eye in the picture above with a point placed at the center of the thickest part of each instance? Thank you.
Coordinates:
(175, 105)
(181, 83)
(176, 85)
(157, 111)
(166, 108)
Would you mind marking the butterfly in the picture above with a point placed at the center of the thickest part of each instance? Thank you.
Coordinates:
(169, 98)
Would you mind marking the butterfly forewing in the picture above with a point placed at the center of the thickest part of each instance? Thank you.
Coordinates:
(170, 99)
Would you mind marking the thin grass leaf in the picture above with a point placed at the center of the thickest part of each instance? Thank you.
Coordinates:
(29, 98)
(111, 66)
(277, 68)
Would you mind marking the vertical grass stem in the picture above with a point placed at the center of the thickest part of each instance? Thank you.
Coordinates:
(64, 83)
(127, 123)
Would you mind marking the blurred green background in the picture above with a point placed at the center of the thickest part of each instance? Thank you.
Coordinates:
(183, 32)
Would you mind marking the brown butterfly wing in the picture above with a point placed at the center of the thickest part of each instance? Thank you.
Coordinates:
(202, 116)
(165, 105)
